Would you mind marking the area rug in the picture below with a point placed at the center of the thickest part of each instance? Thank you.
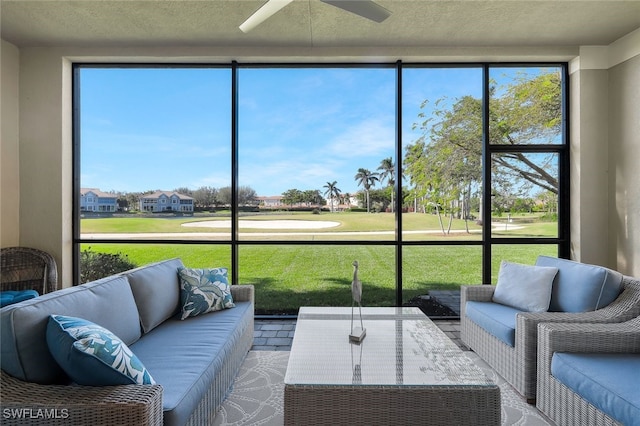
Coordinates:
(258, 394)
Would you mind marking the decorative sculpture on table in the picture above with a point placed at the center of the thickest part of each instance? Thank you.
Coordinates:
(358, 333)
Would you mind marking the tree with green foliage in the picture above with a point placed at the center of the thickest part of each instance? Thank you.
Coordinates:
(387, 173)
(292, 196)
(367, 179)
(205, 196)
(444, 165)
(247, 196)
(332, 193)
(312, 197)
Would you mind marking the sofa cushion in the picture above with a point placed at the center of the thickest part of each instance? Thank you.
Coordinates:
(498, 320)
(156, 291)
(580, 287)
(92, 355)
(9, 297)
(187, 367)
(524, 287)
(203, 291)
(107, 302)
(609, 381)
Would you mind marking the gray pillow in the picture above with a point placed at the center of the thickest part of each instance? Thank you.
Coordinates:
(156, 290)
(524, 287)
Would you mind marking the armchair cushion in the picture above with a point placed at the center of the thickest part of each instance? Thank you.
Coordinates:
(525, 287)
(609, 381)
(498, 320)
(580, 287)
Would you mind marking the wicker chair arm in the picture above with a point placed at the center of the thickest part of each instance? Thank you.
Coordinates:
(581, 337)
(624, 308)
(243, 293)
(35, 404)
(480, 293)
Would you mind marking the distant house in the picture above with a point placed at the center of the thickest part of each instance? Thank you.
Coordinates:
(166, 201)
(94, 200)
(270, 202)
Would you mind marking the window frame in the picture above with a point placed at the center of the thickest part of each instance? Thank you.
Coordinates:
(487, 241)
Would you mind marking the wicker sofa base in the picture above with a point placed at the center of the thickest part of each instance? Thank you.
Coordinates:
(35, 404)
(215, 395)
(498, 355)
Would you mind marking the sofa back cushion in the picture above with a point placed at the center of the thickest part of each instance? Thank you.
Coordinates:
(580, 287)
(108, 302)
(156, 291)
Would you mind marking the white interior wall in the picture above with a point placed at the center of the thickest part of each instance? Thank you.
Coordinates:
(9, 136)
(624, 163)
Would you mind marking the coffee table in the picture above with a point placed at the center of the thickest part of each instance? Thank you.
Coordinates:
(405, 371)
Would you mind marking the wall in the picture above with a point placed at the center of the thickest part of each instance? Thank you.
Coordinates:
(9, 148)
(45, 156)
(605, 153)
(624, 163)
(589, 167)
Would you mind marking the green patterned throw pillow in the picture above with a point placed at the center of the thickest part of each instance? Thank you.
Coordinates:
(204, 290)
(91, 355)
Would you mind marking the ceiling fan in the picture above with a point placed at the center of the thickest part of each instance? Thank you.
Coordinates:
(365, 8)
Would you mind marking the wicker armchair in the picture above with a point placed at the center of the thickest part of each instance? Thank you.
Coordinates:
(517, 364)
(26, 268)
(555, 399)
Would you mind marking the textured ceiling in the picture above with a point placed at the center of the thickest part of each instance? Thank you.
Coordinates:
(311, 23)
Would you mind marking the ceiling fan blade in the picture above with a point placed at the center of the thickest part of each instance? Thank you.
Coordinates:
(265, 12)
(365, 8)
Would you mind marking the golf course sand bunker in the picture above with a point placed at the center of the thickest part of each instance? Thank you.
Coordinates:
(265, 224)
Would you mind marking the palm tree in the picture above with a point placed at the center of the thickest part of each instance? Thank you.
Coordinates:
(332, 191)
(367, 179)
(387, 168)
(347, 199)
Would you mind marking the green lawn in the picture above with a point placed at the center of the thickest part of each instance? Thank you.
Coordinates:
(289, 276)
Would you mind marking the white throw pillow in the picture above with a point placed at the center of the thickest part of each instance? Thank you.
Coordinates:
(524, 287)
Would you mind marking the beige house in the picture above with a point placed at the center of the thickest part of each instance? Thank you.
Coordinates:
(599, 39)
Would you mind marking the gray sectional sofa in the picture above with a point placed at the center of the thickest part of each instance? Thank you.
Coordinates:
(193, 361)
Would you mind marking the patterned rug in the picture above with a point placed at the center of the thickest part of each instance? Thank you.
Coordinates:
(257, 395)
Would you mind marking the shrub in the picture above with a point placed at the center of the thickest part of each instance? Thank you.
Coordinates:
(549, 217)
(315, 211)
(95, 265)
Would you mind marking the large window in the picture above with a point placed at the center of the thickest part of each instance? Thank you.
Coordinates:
(427, 175)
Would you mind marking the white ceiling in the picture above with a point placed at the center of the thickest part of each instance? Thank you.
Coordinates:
(311, 23)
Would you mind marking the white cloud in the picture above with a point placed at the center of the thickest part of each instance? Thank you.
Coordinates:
(367, 138)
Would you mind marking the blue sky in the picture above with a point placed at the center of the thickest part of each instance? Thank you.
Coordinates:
(164, 128)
